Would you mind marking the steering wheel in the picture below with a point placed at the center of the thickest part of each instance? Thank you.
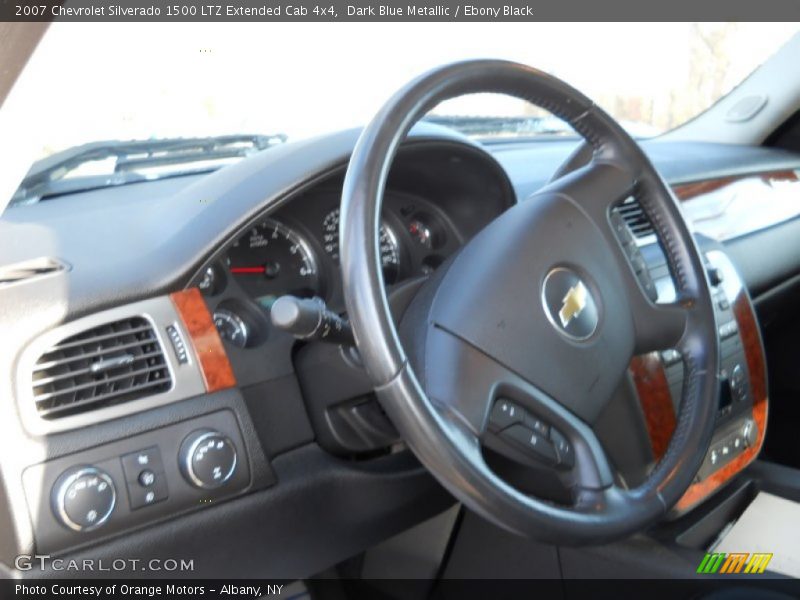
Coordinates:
(542, 310)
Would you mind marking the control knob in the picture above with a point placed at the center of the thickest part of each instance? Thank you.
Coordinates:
(207, 459)
(750, 433)
(83, 498)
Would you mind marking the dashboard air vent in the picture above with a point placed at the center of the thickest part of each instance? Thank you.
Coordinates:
(110, 364)
(635, 217)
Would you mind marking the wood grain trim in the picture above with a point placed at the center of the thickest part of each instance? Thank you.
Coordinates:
(687, 191)
(652, 388)
(754, 353)
(214, 363)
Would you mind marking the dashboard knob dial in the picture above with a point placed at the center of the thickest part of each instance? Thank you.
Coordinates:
(83, 498)
(750, 433)
(207, 459)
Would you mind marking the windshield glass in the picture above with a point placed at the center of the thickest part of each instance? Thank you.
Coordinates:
(88, 84)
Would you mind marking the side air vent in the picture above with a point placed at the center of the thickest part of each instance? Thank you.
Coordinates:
(635, 217)
(110, 364)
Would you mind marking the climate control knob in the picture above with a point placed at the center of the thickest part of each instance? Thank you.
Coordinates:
(83, 498)
(207, 459)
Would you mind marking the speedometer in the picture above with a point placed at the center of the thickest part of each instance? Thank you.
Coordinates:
(271, 260)
(387, 243)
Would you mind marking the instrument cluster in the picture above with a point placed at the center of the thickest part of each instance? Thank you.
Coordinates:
(295, 251)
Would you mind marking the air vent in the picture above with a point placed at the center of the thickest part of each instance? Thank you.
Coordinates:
(110, 364)
(635, 217)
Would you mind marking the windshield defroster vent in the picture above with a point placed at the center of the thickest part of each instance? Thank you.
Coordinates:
(110, 364)
(635, 217)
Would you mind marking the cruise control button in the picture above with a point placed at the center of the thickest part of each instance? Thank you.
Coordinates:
(532, 442)
(564, 449)
(504, 414)
(537, 425)
(638, 263)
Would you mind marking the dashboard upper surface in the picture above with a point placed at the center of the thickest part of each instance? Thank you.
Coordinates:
(131, 241)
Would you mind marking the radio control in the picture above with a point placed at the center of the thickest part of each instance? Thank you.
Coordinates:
(715, 275)
(750, 433)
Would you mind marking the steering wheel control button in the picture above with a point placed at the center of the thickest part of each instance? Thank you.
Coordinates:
(504, 414)
(84, 498)
(537, 425)
(566, 455)
(207, 459)
(532, 443)
(569, 304)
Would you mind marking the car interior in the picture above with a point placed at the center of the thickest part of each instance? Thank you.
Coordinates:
(399, 353)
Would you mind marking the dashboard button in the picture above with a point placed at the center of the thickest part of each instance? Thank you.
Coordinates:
(135, 462)
(715, 275)
(146, 478)
(750, 433)
(141, 495)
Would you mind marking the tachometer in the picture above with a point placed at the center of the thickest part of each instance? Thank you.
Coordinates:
(272, 259)
(387, 242)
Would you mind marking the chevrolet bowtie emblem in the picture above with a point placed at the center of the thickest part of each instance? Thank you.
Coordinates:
(573, 303)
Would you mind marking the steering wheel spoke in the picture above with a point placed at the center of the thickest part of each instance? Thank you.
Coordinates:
(659, 326)
(511, 415)
(596, 187)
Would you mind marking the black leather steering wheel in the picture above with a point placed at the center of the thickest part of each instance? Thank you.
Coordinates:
(542, 308)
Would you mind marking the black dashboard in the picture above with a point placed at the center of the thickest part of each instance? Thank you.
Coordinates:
(245, 235)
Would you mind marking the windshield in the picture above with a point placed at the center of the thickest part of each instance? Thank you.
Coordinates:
(89, 84)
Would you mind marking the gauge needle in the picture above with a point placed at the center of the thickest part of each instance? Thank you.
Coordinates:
(248, 269)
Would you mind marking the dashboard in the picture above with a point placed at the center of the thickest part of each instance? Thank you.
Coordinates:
(319, 476)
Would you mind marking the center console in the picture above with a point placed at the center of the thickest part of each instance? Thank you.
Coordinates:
(741, 414)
